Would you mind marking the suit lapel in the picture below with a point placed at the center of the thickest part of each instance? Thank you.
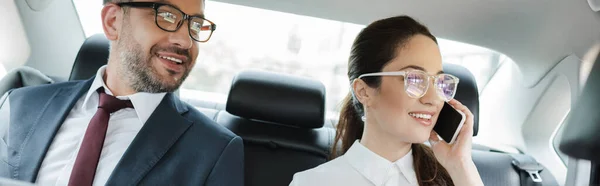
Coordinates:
(159, 133)
(40, 134)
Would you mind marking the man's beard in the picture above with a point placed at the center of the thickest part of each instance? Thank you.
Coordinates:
(136, 68)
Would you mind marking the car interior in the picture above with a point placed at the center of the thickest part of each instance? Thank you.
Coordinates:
(534, 122)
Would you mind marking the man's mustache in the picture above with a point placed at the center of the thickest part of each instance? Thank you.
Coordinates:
(175, 50)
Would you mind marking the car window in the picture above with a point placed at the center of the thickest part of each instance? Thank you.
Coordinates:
(287, 43)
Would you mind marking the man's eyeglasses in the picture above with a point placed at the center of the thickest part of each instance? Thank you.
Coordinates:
(416, 83)
(169, 18)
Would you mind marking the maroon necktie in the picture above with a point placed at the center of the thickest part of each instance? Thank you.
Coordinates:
(89, 152)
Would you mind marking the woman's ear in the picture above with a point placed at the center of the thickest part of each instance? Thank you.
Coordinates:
(362, 92)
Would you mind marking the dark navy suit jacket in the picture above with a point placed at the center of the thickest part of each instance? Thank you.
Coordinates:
(178, 145)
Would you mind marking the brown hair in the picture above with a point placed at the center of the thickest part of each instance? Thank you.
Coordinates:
(374, 47)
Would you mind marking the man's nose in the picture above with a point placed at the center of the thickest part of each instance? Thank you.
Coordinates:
(181, 37)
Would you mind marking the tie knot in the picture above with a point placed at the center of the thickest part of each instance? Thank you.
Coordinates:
(111, 104)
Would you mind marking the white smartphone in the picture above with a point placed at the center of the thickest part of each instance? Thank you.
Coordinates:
(449, 123)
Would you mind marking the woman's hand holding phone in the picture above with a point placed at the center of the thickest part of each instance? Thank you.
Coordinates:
(456, 157)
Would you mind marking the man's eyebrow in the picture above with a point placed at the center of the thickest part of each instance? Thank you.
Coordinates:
(169, 3)
(198, 15)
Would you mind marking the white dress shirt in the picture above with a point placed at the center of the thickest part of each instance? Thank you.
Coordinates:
(360, 167)
(123, 126)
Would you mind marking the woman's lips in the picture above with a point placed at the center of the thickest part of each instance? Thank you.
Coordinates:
(422, 117)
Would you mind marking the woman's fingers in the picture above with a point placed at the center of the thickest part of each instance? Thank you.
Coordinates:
(433, 138)
(465, 136)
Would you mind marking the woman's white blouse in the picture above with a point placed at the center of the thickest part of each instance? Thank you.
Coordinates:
(360, 167)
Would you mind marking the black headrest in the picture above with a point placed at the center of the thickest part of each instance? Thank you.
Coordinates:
(580, 137)
(92, 55)
(467, 92)
(277, 98)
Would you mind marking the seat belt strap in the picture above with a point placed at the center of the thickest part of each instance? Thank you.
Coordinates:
(529, 169)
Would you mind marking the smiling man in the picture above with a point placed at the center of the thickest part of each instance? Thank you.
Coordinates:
(124, 126)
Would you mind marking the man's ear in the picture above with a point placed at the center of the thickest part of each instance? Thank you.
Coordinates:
(362, 92)
(111, 21)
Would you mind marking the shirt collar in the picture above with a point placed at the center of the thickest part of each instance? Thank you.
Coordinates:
(406, 167)
(376, 168)
(143, 102)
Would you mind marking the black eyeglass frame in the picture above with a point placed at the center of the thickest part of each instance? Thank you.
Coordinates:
(156, 6)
